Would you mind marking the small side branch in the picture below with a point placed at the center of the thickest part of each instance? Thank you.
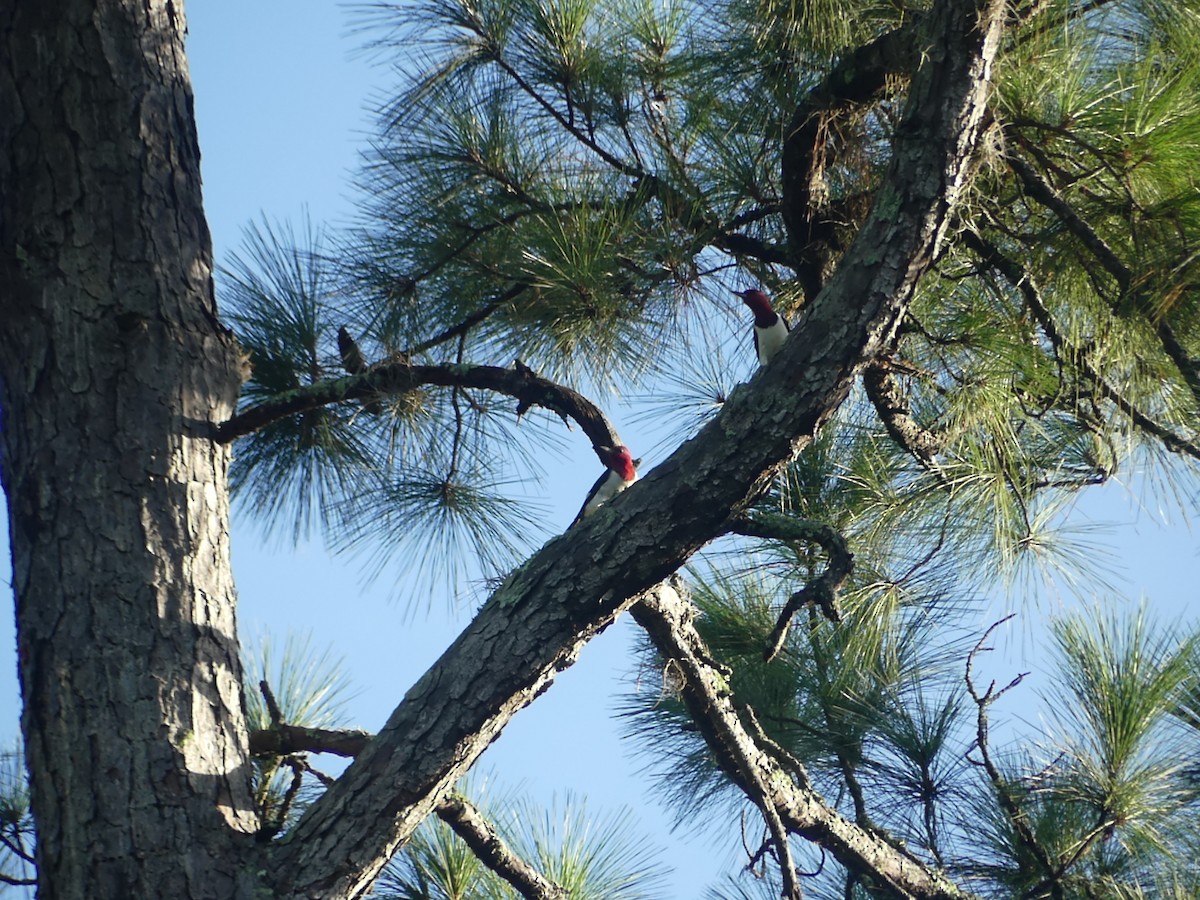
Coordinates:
(822, 590)
(478, 834)
(520, 382)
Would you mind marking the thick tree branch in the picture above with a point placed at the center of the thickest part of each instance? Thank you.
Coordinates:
(667, 620)
(537, 621)
(478, 834)
(821, 590)
(520, 382)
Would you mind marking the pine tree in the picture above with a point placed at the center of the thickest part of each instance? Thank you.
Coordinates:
(980, 219)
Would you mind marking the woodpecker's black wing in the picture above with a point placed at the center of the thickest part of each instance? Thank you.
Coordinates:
(590, 494)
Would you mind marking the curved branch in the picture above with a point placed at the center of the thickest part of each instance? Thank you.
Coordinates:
(889, 401)
(857, 78)
(520, 382)
(821, 590)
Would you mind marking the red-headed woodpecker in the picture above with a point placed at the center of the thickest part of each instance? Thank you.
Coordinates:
(622, 472)
(770, 328)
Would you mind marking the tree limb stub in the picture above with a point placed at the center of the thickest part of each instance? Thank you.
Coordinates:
(281, 739)
(539, 619)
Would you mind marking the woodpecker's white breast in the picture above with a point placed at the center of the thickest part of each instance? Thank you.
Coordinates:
(606, 487)
(768, 340)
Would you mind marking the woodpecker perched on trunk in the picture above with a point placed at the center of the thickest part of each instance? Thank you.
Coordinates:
(770, 328)
(622, 472)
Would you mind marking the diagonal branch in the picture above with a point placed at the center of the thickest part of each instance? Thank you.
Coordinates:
(1044, 193)
(667, 619)
(1023, 282)
(455, 810)
(478, 834)
(539, 619)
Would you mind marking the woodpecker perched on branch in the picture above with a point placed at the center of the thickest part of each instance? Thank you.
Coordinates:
(770, 328)
(622, 472)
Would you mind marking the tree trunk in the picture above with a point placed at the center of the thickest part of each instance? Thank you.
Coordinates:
(113, 369)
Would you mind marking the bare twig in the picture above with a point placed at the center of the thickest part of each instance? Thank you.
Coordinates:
(16, 846)
(1017, 816)
(290, 796)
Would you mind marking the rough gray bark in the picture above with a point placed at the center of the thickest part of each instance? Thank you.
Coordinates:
(113, 370)
(536, 622)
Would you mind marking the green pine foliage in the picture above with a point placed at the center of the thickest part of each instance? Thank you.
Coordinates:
(580, 184)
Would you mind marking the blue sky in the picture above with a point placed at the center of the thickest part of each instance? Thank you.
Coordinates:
(280, 97)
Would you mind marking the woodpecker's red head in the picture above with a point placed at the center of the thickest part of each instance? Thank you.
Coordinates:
(620, 460)
(760, 305)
